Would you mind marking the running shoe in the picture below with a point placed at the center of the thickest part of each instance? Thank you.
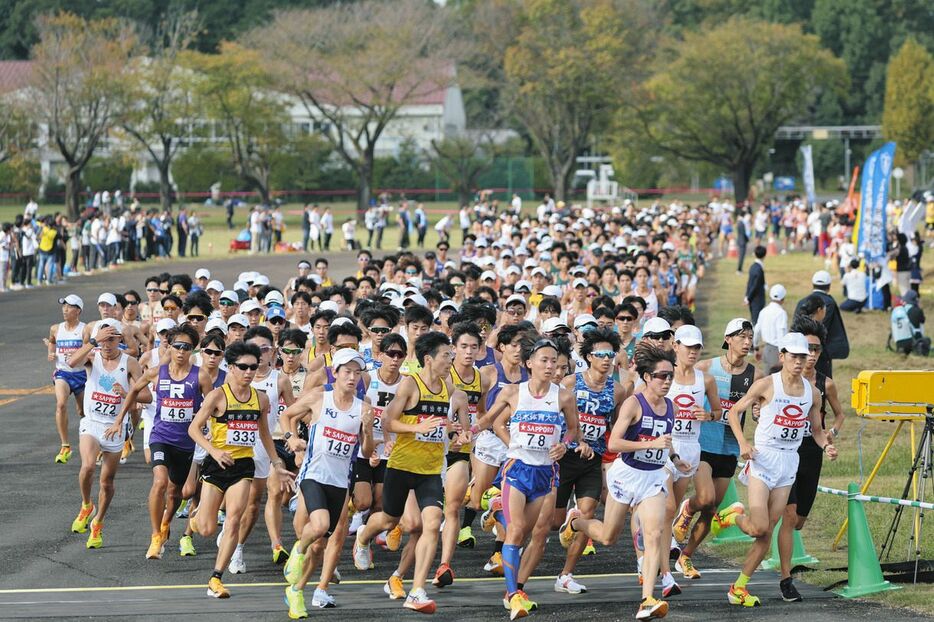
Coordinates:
(156, 547)
(221, 516)
(164, 532)
(63, 455)
(182, 511)
(100, 459)
(495, 565)
(96, 538)
(444, 576)
(567, 533)
(488, 520)
(220, 537)
(186, 547)
(336, 577)
(80, 524)
(295, 599)
(685, 566)
(741, 596)
(669, 586)
(590, 549)
(566, 583)
(237, 565)
(216, 589)
(356, 523)
(394, 588)
(652, 609)
(127, 450)
(520, 605)
(362, 556)
(293, 567)
(487, 496)
(279, 555)
(790, 593)
(394, 538)
(418, 600)
(465, 538)
(674, 550)
(380, 540)
(679, 528)
(725, 518)
(322, 600)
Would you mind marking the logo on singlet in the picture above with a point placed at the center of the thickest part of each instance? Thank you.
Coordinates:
(792, 416)
(685, 404)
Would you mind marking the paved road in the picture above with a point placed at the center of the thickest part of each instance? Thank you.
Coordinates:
(39, 556)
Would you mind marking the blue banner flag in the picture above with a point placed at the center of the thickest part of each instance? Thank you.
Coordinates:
(874, 194)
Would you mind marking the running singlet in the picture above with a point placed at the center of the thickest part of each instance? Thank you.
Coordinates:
(237, 430)
(535, 427)
(488, 359)
(380, 394)
(371, 361)
(685, 396)
(650, 426)
(782, 421)
(67, 342)
(595, 410)
(361, 385)
(502, 381)
(332, 442)
(297, 380)
(820, 381)
(473, 391)
(716, 437)
(101, 402)
(422, 454)
(177, 401)
(270, 386)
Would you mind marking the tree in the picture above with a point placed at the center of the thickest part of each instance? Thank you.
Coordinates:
(568, 66)
(353, 66)
(719, 96)
(161, 98)
(233, 88)
(461, 160)
(16, 132)
(908, 117)
(77, 87)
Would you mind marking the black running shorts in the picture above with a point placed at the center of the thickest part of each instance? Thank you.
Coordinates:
(363, 471)
(429, 492)
(324, 497)
(582, 477)
(804, 490)
(175, 459)
(721, 466)
(222, 479)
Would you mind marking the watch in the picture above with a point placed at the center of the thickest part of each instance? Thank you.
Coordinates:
(93, 341)
(287, 435)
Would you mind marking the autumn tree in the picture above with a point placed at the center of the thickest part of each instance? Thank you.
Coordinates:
(355, 65)
(719, 95)
(77, 87)
(908, 117)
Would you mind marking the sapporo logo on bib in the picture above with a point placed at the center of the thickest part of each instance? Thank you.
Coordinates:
(536, 434)
(177, 410)
(106, 403)
(242, 433)
(339, 443)
(791, 420)
(593, 427)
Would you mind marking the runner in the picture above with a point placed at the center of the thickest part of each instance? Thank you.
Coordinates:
(110, 373)
(66, 338)
(418, 416)
(787, 405)
(325, 475)
(237, 415)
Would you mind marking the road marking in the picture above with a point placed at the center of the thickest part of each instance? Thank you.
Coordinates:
(47, 389)
(9, 401)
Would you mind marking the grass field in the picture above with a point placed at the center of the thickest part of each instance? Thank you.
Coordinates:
(867, 334)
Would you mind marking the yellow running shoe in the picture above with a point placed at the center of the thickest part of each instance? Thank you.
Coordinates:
(216, 589)
(80, 524)
(465, 538)
(63, 454)
(96, 538)
(295, 599)
(495, 565)
(127, 450)
(164, 532)
(520, 605)
(686, 567)
(567, 533)
(487, 496)
(294, 565)
(726, 518)
(394, 588)
(156, 547)
(741, 596)
(488, 520)
(679, 528)
(186, 548)
(652, 609)
(589, 549)
(394, 538)
(279, 555)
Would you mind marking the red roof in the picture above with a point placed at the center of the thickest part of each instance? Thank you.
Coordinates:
(14, 74)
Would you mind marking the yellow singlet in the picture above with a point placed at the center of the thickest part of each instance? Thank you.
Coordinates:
(422, 454)
(237, 430)
(473, 390)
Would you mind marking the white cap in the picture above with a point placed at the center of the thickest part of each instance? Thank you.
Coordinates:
(530, 263)
(246, 277)
(487, 260)
(448, 304)
(516, 298)
(689, 335)
(579, 282)
(241, 285)
(274, 297)
(656, 326)
(107, 299)
(229, 294)
(540, 271)
(216, 285)
(260, 280)
(583, 319)
(164, 324)
(545, 255)
(554, 323)
(513, 269)
(347, 355)
(506, 253)
(777, 292)
(329, 305)
(734, 326)
(249, 305)
(821, 277)
(73, 300)
(523, 283)
(216, 323)
(488, 275)
(552, 290)
(522, 251)
(418, 299)
(115, 324)
(578, 270)
(794, 343)
(203, 273)
(341, 320)
(238, 318)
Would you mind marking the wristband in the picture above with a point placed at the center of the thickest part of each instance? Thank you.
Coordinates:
(674, 457)
(474, 429)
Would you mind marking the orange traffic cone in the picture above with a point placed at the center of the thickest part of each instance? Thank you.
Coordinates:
(772, 248)
(732, 251)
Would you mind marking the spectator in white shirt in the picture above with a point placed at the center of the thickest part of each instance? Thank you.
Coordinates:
(854, 286)
(771, 326)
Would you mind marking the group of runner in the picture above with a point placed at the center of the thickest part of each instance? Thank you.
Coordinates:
(553, 367)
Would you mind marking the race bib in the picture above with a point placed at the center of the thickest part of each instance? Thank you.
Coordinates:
(174, 410)
(593, 427)
(377, 423)
(435, 436)
(686, 426)
(338, 443)
(725, 406)
(242, 433)
(537, 436)
(789, 425)
(281, 409)
(653, 455)
(105, 404)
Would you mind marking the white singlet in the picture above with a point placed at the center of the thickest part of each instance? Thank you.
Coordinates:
(332, 443)
(380, 394)
(782, 421)
(101, 403)
(535, 427)
(66, 343)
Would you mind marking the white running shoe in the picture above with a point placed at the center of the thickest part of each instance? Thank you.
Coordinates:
(362, 557)
(322, 600)
(566, 583)
(356, 523)
(236, 565)
(220, 536)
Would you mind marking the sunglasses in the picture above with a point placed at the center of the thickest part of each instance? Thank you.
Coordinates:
(624, 318)
(603, 354)
(380, 330)
(246, 366)
(229, 303)
(278, 321)
(542, 343)
(153, 289)
(457, 284)
(195, 318)
(411, 271)
(212, 352)
(130, 303)
(664, 376)
(265, 348)
(291, 351)
(171, 308)
(163, 291)
(181, 346)
(345, 346)
(516, 311)
(815, 347)
(658, 336)
(396, 355)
